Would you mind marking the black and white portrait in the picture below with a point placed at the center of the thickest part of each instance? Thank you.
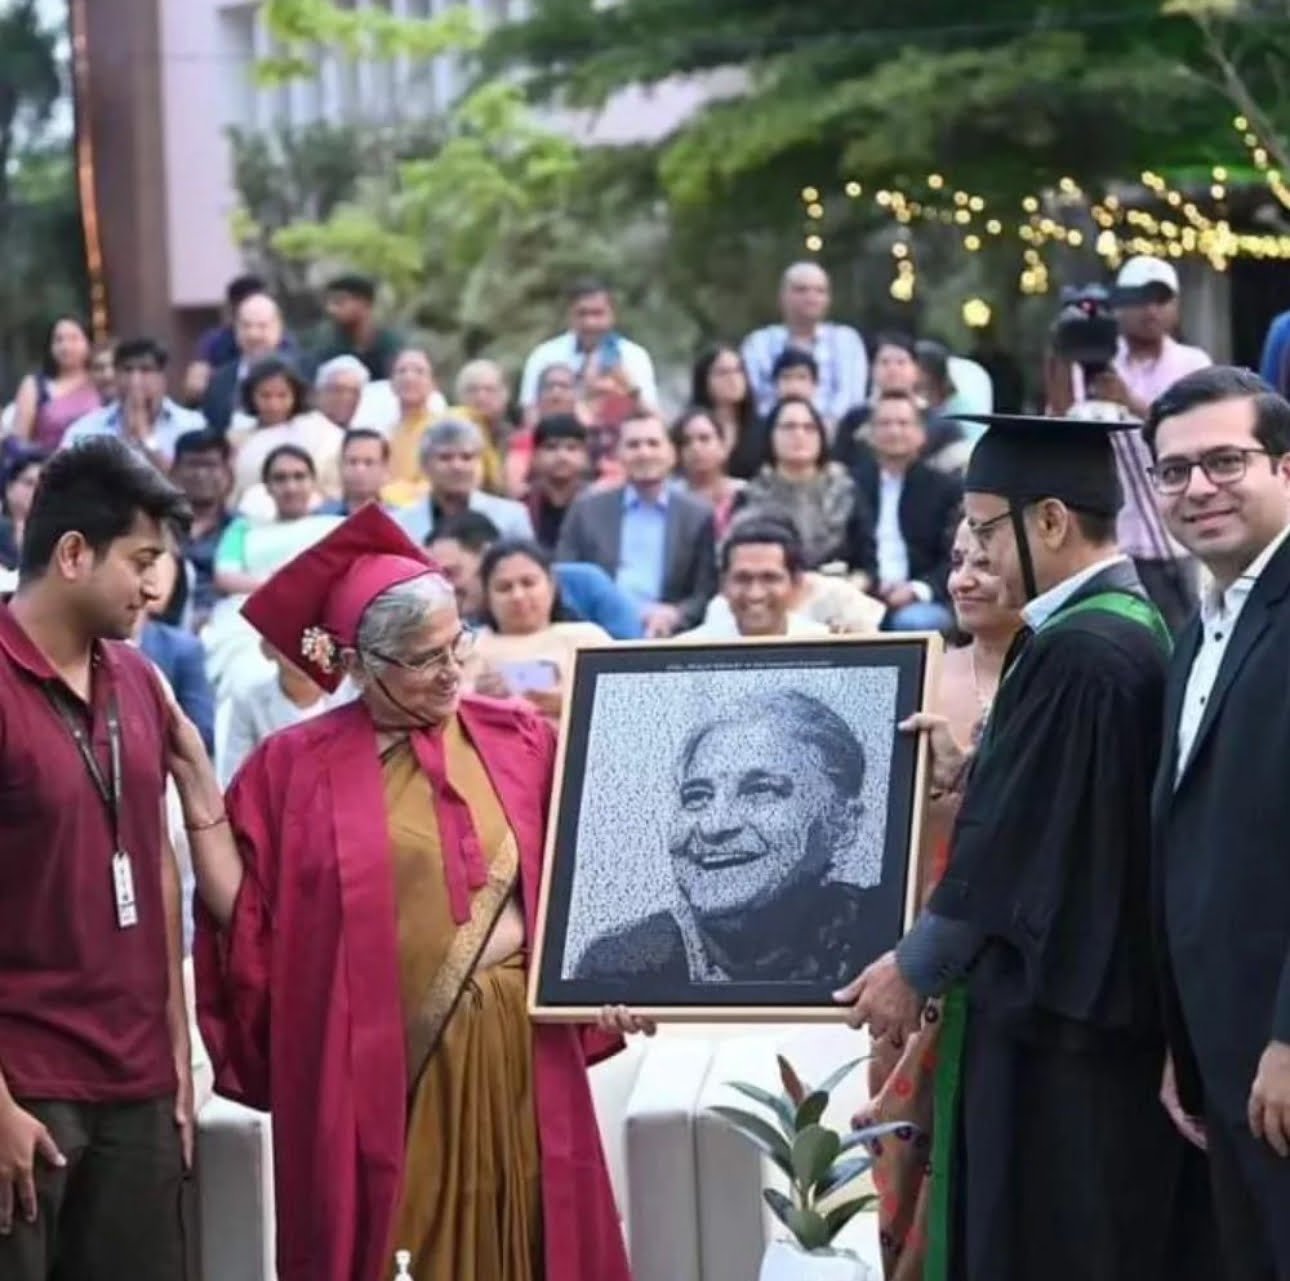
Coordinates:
(733, 831)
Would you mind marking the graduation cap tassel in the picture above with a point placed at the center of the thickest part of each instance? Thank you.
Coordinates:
(1023, 552)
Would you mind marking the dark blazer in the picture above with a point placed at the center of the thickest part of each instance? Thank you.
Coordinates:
(592, 532)
(1221, 885)
(221, 399)
(182, 661)
(930, 506)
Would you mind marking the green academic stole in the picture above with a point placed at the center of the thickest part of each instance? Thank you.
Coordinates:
(948, 1081)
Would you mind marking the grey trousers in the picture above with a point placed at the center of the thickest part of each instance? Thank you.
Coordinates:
(118, 1210)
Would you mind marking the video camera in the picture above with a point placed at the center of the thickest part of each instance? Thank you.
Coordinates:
(1085, 332)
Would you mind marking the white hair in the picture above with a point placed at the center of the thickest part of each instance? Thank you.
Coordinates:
(472, 370)
(451, 433)
(342, 365)
(398, 614)
(799, 269)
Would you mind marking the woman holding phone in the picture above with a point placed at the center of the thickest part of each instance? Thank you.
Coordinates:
(526, 647)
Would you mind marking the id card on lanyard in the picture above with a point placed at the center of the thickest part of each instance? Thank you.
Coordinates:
(109, 790)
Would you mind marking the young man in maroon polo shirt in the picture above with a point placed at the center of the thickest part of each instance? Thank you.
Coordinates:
(95, 1086)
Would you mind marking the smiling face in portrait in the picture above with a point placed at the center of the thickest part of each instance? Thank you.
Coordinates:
(756, 814)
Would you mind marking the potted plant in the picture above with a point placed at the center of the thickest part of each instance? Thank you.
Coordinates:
(820, 1165)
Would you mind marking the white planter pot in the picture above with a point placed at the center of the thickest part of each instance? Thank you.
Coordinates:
(784, 1261)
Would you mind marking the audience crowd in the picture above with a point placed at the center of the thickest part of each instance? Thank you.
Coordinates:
(566, 507)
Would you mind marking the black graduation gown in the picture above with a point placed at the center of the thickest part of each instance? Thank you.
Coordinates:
(1066, 1165)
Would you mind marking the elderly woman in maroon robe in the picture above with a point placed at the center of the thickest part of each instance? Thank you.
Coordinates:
(365, 903)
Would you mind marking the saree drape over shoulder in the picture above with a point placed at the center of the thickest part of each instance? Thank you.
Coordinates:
(343, 966)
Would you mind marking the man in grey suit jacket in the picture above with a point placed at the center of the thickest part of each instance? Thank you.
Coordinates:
(451, 454)
(658, 544)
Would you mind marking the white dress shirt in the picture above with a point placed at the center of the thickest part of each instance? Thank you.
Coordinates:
(1046, 604)
(1219, 613)
(893, 555)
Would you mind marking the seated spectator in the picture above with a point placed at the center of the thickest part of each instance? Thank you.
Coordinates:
(834, 602)
(558, 474)
(250, 552)
(557, 391)
(948, 445)
(719, 383)
(586, 591)
(141, 413)
(838, 350)
(761, 578)
(658, 544)
(280, 698)
(364, 470)
(275, 400)
(352, 329)
(19, 485)
(420, 402)
(703, 452)
(177, 653)
(895, 368)
(909, 514)
(338, 390)
(452, 458)
(217, 346)
(484, 397)
(799, 478)
(526, 645)
(259, 334)
(590, 346)
(60, 392)
(796, 376)
(203, 471)
(557, 396)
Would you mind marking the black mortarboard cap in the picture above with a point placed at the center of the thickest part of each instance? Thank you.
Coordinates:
(1024, 458)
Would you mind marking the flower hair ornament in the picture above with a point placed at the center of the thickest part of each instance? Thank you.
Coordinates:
(317, 645)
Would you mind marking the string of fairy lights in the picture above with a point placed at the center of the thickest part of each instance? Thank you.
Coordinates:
(1178, 227)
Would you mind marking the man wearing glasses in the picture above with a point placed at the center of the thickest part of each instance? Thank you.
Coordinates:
(1038, 935)
(1220, 439)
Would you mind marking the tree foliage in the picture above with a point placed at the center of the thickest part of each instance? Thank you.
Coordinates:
(40, 242)
(1005, 95)
(477, 223)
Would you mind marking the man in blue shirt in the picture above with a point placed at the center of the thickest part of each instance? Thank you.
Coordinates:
(142, 414)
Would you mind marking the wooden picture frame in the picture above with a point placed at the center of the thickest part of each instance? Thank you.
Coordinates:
(684, 832)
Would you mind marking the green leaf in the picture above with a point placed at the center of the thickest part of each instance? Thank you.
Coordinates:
(758, 1132)
(834, 1079)
(814, 1151)
(780, 1206)
(842, 1173)
(810, 1229)
(841, 1215)
(793, 1086)
(777, 1103)
(811, 1109)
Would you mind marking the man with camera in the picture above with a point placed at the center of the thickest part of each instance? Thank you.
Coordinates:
(1112, 355)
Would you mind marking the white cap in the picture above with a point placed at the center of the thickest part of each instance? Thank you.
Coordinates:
(1141, 271)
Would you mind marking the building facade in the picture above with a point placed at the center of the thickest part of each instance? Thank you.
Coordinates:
(167, 79)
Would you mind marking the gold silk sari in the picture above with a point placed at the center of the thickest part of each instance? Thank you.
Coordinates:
(471, 1208)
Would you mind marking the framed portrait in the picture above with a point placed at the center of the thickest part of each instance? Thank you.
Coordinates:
(735, 825)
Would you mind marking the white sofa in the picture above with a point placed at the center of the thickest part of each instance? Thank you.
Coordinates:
(688, 1189)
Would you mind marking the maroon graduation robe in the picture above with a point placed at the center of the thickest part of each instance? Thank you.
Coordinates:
(298, 1000)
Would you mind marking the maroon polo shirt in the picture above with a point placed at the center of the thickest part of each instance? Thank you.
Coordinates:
(82, 1002)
